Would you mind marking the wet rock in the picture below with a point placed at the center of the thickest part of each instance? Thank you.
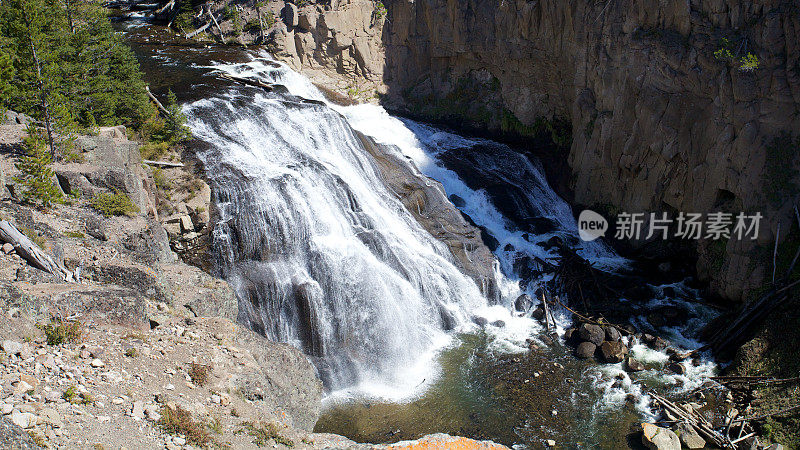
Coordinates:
(633, 365)
(613, 352)
(540, 225)
(591, 333)
(571, 336)
(538, 313)
(499, 323)
(654, 342)
(657, 438)
(678, 368)
(523, 303)
(612, 334)
(585, 350)
(480, 321)
(689, 437)
(457, 201)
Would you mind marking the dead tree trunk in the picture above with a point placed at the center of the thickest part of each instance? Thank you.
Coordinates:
(216, 24)
(42, 89)
(31, 252)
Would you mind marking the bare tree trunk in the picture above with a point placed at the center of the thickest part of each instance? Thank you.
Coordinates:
(219, 30)
(260, 23)
(42, 92)
(31, 252)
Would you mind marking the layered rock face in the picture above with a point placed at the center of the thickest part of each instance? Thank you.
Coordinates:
(664, 113)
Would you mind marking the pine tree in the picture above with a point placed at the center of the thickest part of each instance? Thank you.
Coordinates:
(36, 175)
(70, 65)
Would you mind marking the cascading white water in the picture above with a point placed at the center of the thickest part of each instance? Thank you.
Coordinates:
(321, 254)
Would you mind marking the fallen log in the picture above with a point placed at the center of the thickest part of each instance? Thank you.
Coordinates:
(698, 423)
(31, 252)
(166, 7)
(162, 163)
(219, 30)
(198, 31)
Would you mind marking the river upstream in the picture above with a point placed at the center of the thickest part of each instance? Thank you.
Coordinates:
(324, 256)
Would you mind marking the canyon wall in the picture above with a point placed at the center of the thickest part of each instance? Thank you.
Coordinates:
(663, 112)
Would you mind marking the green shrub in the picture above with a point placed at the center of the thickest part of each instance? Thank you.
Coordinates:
(380, 11)
(60, 331)
(116, 204)
(179, 421)
(262, 433)
(747, 63)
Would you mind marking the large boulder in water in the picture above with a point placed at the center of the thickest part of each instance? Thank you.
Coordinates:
(523, 303)
(633, 365)
(657, 438)
(613, 352)
(592, 333)
(612, 334)
(585, 350)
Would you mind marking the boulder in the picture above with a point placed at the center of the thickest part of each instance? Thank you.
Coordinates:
(689, 437)
(538, 313)
(585, 350)
(591, 333)
(612, 334)
(657, 438)
(523, 303)
(613, 352)
(678, 368)
(12, 436)
(23, 419)
(571, 336)
(633, 365)
(12, 347)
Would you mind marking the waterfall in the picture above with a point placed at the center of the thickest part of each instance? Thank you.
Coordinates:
(321, 254)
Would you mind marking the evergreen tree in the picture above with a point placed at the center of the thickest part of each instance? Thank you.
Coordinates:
(68, 66)
(37, 176)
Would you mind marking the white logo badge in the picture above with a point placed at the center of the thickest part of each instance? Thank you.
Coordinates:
(591, 225)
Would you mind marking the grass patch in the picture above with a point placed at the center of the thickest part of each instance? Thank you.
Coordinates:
(73, 234)
(199, 373)
(60, 331)
(263, 433)
(116, 204)
(72, 396)
(131, 353)
(179, 421)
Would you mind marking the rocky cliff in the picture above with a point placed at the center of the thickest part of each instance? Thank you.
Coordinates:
(657, 102)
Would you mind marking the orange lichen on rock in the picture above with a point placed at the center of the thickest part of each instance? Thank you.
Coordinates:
(444, 441)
